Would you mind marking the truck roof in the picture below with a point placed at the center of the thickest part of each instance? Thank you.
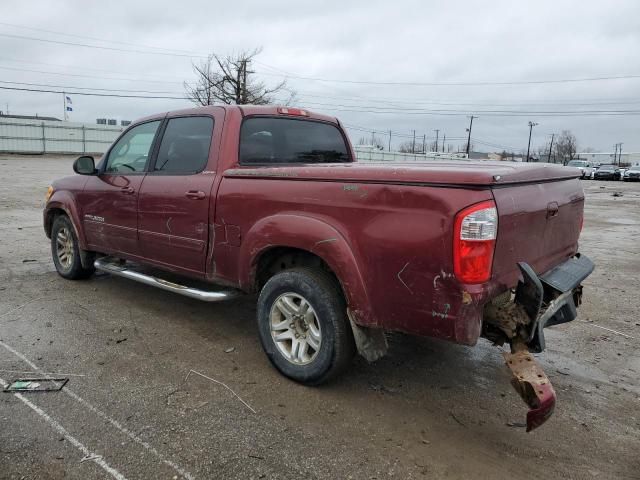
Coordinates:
(245, 110)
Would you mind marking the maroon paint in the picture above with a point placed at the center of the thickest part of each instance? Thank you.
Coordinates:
(385, 230)
(108, 209)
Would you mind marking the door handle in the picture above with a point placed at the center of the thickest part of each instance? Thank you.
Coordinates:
(127, 190)
(194, 195)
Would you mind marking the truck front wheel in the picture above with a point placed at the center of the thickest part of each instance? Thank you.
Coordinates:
(65, 250)
(303, 325)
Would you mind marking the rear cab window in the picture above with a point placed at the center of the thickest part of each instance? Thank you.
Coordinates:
(276, 140)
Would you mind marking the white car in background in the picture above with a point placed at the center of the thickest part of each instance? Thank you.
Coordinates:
(585, 166)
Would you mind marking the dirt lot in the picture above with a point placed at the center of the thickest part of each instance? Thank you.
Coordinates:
(428, 410)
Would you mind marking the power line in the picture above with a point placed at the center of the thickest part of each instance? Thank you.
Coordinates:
(67, 87)
(333, 80)
(82, 67)
(364, 110)
(458, 84)
(390, 101)
(101, 47)
(91, 94)
(88, 76)
(91, 38)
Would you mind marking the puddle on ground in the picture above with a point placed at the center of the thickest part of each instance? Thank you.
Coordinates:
(622, 221)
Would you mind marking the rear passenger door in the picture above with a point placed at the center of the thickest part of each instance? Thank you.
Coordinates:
(175, 196)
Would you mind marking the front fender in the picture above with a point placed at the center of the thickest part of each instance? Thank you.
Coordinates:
(315, 236)
(63, 200)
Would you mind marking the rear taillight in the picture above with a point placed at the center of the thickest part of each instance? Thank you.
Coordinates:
(474, 241)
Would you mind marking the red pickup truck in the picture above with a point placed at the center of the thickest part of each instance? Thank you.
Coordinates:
(218, 201)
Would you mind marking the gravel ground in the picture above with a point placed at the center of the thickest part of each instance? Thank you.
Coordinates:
(428, 410)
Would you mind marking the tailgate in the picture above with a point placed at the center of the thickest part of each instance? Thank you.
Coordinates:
(538, 223)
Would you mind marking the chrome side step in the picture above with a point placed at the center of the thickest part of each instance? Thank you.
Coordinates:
(113, 267)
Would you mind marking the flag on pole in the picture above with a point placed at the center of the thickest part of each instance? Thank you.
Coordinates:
(69, 99)
(69, 109)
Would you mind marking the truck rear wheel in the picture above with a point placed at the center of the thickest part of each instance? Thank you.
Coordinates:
(303, 325)
(65, 250)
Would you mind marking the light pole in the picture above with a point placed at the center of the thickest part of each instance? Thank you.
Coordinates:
(531, 125)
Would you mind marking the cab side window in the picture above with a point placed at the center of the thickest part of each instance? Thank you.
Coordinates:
(185, 145)
(131, 152)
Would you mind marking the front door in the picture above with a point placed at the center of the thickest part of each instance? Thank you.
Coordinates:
(175, 197)
(109, 201)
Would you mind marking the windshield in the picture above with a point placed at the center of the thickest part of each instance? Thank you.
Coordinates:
(577, 163)
(607, 168)
(635, 169)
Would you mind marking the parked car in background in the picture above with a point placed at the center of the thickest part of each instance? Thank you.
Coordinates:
(585, 167)
(607, 172)
(632, 174)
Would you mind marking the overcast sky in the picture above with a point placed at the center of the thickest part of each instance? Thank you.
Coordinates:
(423, 42)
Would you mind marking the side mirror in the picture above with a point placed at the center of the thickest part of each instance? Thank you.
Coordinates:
(85, 165)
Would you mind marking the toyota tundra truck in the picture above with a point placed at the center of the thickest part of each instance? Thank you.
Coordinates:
(220, 201)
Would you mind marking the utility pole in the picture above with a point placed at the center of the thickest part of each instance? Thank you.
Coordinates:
(437, 135)
(469, 137)
(615, 155)
(620, 155)
(424, 144)
(413, 144)
(550, 148)
(244, 82)
(444, 140)
(373, 137)
(531, 125)
(389, 140)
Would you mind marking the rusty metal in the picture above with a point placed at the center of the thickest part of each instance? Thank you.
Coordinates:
(532, 384)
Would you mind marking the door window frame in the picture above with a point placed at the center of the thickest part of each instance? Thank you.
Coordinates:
(152, 151)
(151, 165)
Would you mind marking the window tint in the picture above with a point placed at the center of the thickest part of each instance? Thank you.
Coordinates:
(285, 140)
(185, 145)
(131, 152)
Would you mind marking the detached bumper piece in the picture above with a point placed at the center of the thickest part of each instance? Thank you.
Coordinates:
(548, 299)
(533, 386)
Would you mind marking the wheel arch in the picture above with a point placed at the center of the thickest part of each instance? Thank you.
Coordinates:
(59, 204)
(310, 241)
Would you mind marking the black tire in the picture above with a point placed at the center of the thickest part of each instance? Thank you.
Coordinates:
(64, 240)
(336, 347)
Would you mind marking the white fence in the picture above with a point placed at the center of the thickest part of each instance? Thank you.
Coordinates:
(367, 154)
(48, 136)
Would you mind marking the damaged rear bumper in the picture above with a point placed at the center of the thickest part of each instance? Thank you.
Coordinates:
(540, 301)
(551, 298)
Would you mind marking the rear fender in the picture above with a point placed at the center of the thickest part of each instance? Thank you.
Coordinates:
(314, 236)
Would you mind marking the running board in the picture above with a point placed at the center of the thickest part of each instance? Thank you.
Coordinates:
(114, 267)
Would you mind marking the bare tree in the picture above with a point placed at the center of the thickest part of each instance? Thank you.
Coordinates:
(410, 147)
(566, 146)
(373, 141)
(230, 80)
